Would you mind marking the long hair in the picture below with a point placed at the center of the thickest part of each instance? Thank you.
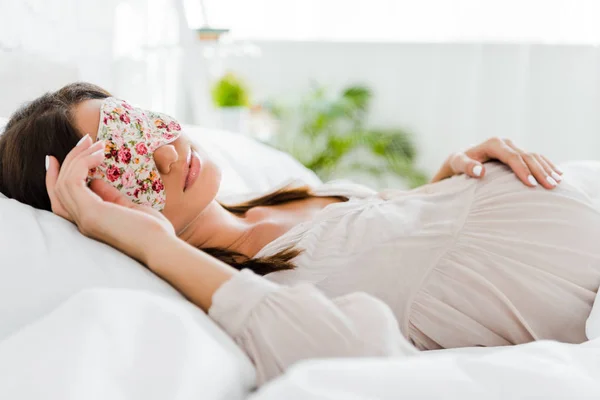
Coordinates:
(46, 126)
(279, 261)
(43, 126)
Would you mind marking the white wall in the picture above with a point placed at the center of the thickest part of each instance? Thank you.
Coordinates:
(46, 44)
(451, 95)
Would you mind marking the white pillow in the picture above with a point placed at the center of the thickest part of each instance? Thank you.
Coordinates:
(45, 260)
(248, 165)
(116, 344)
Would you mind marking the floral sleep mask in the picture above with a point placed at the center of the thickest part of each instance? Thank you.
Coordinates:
(132, 135)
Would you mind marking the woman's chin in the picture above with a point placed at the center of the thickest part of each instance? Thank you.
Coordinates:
(206, 187)
(183, 211)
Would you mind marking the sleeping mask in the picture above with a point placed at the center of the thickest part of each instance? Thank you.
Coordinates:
(132, 135)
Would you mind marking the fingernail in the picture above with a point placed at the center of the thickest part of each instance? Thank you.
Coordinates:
(551, 181)
(477, 170)
(532, 180)
(556, 176)
(47, 162)
(82, 139)
(557, 168)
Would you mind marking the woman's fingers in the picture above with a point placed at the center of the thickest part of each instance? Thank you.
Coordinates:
(539, 170)
(94, 157)
(78, 167)
(52, 168)
(52, 172)
(83, 144)
(513, 158)
(553, 176)
(75, 187)
(66, 184)
(109, 193)
(463, 164)
(531, 168)
(552, 165)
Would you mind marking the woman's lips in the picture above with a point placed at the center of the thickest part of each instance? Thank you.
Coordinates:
(193, 170)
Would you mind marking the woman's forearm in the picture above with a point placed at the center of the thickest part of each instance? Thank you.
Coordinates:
(192, 272)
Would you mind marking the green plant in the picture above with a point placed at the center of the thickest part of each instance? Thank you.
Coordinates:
(328, 134)
(230, 91)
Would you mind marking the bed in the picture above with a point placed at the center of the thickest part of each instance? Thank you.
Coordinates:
(79, 320)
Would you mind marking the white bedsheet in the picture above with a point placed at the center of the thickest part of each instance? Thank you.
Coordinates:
(120, 344)
(125, 344)
(541, 370)
(592, 326)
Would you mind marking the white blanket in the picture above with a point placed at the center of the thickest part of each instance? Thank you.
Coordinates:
(542, 370)
(120, 344)
(124, 344)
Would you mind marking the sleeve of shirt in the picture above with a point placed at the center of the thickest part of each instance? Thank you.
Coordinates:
(279, 325)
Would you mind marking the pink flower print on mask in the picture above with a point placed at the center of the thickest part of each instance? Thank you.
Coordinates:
(132, 135)
(141, 149)
(125, 118)
(128, 179)
(169, 136)
(143, 175)
(157, 186)
(118, 141)
(125, 155)
(173, 126)
(160, 124)
(113, 173)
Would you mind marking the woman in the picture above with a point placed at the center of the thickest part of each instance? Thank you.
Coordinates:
(348, 271)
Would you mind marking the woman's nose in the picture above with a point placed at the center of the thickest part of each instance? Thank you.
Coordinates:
(164, 157)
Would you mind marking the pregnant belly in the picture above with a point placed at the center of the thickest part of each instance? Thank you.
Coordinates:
(525, 265)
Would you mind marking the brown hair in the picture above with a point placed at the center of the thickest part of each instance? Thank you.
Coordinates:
(279, 261)
(45, 126)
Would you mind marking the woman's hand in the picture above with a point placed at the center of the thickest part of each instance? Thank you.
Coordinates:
(530, 168)
(101, 211)
(143, 233)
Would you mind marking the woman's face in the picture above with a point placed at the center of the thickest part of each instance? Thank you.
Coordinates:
(190, 177)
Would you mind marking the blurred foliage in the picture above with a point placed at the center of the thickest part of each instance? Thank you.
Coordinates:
(329, 135)
(230, 91)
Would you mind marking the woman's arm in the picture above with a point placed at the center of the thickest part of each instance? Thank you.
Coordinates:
(275, 325)
(192, 272)
(530, 168)
(103, 213)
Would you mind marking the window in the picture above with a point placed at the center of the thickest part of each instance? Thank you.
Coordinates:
(546, 21)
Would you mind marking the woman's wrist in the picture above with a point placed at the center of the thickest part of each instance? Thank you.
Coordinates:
(160, 249)
(192, 272)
